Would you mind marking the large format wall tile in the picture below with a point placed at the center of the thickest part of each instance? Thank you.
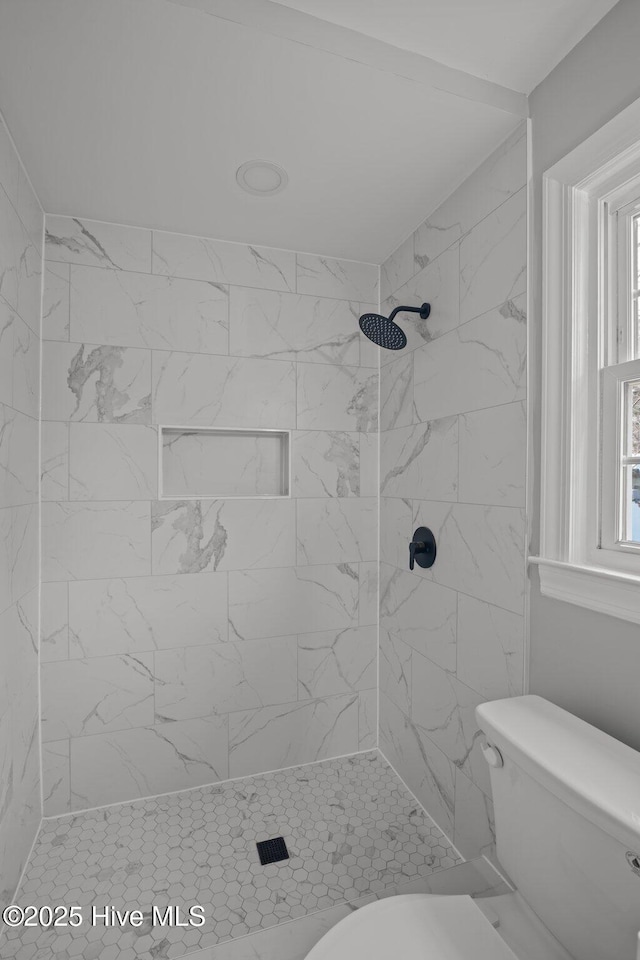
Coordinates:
(56, 778)
(490, 649)
(195, 389)
(146, 613)
(138, 310)
(287, 326)
(54, 460)
(398, 268)
(395, 670)
(481, 364)
(81, 697)
(96, 383)
(189, 536)
(396, 530)
(26, 369)
(336, 661)
(493, 259)
(337, 398)
(436, 284)
(345, 279)
(493, 455)
(480, 551)
(421, 460)
(109, 461)
(98, 244)
(283, 736)
(396, 393)
(55, 302)
(197, 258)
(317, 598)
(127, 764)
(54, 622)
(335, 530)
(18, 458)
(326, 463)
(420, 613)
(220, 678)
(88, 541)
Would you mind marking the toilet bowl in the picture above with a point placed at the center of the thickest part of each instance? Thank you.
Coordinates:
(567, 815)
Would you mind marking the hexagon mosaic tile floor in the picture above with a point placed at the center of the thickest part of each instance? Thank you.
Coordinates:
(350, 826)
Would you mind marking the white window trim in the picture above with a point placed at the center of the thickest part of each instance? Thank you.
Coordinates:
(572, 566)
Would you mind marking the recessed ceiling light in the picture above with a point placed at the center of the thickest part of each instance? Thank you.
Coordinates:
(262, 177)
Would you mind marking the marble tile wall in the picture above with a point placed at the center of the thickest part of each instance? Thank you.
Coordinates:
(21, 237)
(187, 641)
(453, 458)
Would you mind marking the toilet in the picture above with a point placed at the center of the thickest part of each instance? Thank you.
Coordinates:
(567, 816)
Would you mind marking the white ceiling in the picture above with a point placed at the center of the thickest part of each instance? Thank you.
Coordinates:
(512, 42)
(140, 112)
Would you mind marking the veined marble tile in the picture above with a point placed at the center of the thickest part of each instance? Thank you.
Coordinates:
(19, 666)
(428, 773)
(189, 536)
(344, 279)
(481, 550)
(84, 697)
(55, 303)
(369, 352)
(326, 463)
(81, 382)
(96, 244)
(397, 269)
(396, 531)
(395, 670)
(475, 833)
(420, 613)
(146, 613)
(54, 622)
(24, 553)
(490, 649)
(444, 709)
(113, 461)
(198, 463)
(54, 460)
(368, 593)
(423, 457)
(8, 320)
(18, 458)
(13, 244)
(26, 369)
(127, 764)
(6, 556)
(191, 389)
(220, 678)
(482, 363)
(436, 284)
(198, 258)
(317, 598)
(56, 776)
(9, 166)
(493, 259)
(333, 397)
(335, 530)
(493, 455)
(368, 719)
(140, 310)
(369, 464)
(337, 661)
(498, 178)
(86, 541)
(30, 284)
(396, 393)
(282, 736)
(29, 210)
(288, 326)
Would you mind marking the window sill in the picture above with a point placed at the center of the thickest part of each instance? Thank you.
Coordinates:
(597, 588)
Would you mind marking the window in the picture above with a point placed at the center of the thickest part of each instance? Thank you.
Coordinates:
(590, 469)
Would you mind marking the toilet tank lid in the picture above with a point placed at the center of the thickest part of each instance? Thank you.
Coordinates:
(586, 768)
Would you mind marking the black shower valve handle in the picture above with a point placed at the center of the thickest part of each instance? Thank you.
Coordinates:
(422, 549)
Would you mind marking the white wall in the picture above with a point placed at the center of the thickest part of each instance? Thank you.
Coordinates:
(452, 457)
(585, 662)
(187, 641)
(21, 224)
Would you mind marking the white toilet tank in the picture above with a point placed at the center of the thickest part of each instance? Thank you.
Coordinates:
(567, 813)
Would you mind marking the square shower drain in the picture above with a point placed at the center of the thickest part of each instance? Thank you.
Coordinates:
(272, 851)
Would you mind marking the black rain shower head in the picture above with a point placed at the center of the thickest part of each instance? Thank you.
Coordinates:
(384, 332)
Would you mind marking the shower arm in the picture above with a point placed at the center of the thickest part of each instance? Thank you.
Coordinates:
(424, 311)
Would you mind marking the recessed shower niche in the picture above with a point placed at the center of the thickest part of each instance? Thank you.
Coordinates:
(201, 463)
